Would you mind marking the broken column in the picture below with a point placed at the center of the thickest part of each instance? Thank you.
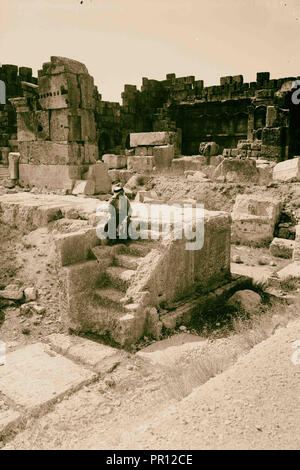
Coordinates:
(13, 165)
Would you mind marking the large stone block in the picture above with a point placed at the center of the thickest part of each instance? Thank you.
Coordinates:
(33, 126)
(34, 377)
(43, 125)
(194, 163)
(63, 64)
(59, 91)
(53, 153)
(59, 125)
(91, 152)
(237, 171)
(254, 218)
(98, 173)
(163, 156)
(121, 176)
(27, 126)
(72, 125)
(49, 176)
(143, 139)
(289, 170)
(273, 142)
(76, 246)
(78, 284)
(86, 83)
(115, 161)
(88, 126)
(141, 164)
(282, 248)
(84, 187)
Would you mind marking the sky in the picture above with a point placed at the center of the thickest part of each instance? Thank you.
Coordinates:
(121, 41)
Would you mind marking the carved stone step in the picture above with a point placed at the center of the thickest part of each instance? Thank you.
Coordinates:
(127, 261)
(109, 296)
(120, 277)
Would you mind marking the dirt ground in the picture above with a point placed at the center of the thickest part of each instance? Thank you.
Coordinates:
(166, 390)
(28, 260)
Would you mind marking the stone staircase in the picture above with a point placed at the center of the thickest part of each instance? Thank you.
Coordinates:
(96, 292)
(117, 292)
(121, 273)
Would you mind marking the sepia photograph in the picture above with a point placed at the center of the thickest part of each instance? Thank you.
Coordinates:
(149, 228)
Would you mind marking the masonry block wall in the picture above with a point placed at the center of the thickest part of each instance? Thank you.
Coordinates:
(64, 121)
(227, 113)
(56, 126)
(12, 76)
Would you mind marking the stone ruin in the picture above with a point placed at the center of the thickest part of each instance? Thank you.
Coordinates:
(69, 140)
(64, 126)
(16, 79)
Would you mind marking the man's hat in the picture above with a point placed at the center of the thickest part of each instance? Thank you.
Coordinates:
(117, 189)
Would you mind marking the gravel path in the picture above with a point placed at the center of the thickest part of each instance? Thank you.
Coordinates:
(253, 405)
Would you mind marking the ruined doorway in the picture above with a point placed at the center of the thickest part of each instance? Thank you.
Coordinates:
(104, 144)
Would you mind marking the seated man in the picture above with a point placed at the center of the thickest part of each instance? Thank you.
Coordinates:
(120, 209)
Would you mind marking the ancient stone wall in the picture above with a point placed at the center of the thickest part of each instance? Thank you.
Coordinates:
(12, 76)
(64, 121)
(225, 114)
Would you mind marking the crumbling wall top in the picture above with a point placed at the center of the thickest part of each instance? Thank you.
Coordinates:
(62, 65)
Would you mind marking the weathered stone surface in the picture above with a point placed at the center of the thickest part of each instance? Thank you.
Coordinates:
(49, 176)
(8, 420)
(52, 153)
(78, 284)
(98, 356)
(141, 164)
(237, 171)
(63, 64)
(86, 83)
(30, 293)
(282, 248)
(12, 292)
(143, 139)
(120, 175)
(35, 376)
(142, 195)
(59, 91)
(114, 161)
(142, 151)
(60, 128)
(296, 254)
(209, 149)
(13, 165)
(247, 300)
(27, 126)
(288, 170)
(98, 173)
(76, 246)
(289, 271)
(91, 152)
(197, 176)
(163, 156)
(193, 163)
(84, 187)
(254, 218)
